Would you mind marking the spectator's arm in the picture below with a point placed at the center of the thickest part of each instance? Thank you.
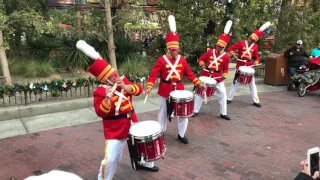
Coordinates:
(305, 54)
(287, 52)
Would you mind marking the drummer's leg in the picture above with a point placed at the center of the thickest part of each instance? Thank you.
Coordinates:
(113, 153)
(197, 103)
(162, 118)
(254, 91)
(232, 90)
(222, 97)
(182, 126)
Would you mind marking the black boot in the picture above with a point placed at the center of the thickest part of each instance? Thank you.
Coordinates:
(257, 104)
(184, 140)
(194, 114)
(153, 169)
(226, 117)
(228, 101)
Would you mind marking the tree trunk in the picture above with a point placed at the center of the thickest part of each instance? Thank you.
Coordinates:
(4, 62)
(79, 22)
(282, 27)
(111, 46)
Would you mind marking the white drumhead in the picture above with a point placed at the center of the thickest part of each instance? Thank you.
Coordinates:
(247, 69)
(145, 128)
(181, 94)
(207, 80)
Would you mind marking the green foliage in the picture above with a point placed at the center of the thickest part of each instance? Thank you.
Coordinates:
(159, 44)
(72, 56)
(126, 47)
(297, 22)
(136, 66)
(127, 14)
(39, 69)
(191, 18)
(56, 87)
(41, 47)
(249, 16)
(30, 68)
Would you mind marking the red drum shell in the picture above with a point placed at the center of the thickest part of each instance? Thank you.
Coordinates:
(183, 103)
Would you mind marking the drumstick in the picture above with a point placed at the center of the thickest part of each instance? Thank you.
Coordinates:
(114, 87)
(205, 97)
(132, 140)
(145, 100)
(217, 77)
(255, 65)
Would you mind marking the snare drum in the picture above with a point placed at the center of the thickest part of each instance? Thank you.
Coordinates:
(182, 102)
(245, 74)
(211, 86)
(149, 140)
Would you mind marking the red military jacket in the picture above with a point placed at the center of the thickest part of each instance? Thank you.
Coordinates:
(218, 67)
(248, 54)
(162, 67)
(118, 128)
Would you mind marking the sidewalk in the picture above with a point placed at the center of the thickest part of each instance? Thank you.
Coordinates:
(258, 143)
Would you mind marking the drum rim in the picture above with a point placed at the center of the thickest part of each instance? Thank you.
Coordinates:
(208, 83)
(178, 100)
(149, 137)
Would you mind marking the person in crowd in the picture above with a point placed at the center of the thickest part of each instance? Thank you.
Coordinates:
(296, 57)
(171, 67)
(113, 103)
(247, 52)
(305, 173)
(316, 52)
(215, 64)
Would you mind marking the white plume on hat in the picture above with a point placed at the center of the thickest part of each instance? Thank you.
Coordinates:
(172, 23)
(299, 42)
(227, 27)
(265, 26)
(88, 50)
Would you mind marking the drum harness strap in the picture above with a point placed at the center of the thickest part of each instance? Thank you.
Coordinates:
(117, 115)
(248, 50)
(173, 70)
(215, 61)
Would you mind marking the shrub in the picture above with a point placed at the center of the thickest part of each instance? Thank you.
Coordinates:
(136, 65)
(39, 69)
(17, 67)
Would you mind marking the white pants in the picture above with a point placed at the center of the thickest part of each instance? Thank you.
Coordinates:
(182, 122)
(253, 90)
(222, 99)
(113, 154)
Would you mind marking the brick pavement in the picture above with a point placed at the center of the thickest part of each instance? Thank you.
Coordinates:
(265, 143)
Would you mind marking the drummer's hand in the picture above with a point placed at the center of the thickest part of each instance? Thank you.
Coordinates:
(148, 91)
(201, 85)
(235, 57)
(108, 94)
(126, 87)
(223, 77)
(203, 66)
